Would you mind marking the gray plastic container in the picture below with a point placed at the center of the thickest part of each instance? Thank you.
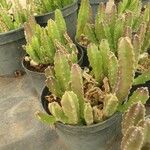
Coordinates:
(11, 51)
(38, 78)
(102, 136)
(94, 5)
(70, 16)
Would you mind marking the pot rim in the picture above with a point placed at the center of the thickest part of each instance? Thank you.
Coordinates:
(12, 31)
(12, 36)
(62, 9)
(76, 128)
(102, 124)
(23, 61)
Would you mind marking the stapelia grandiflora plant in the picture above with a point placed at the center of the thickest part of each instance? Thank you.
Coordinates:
(111, 23)
(85, 97)
(13, 16)
(135, 129)
(45, 6)
(43, 42)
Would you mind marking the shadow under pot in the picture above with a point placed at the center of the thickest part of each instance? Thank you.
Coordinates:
(37, 77)
(101, 136)
(11, 52)
(135, 87)
(70, 16)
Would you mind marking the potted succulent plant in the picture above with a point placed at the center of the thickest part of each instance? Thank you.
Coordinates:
(44, 11)
(11, 36)
(136, 129)
(83, 105)
(113, 22)
(41, 46)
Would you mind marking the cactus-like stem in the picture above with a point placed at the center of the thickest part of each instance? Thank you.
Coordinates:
(77, 86)
(30, 27)
(83, 17)
(142, 78)
(110, 105)
(141, 94)
(48, 119)
(137, 48)
(100, 31)
(96, 62)
(133, 116)
(32, 48)
(47, 48)
(146, 43)
(88, 114)
(60, 21)
(133, 139)
(112, 70)
(53, 86)
(89, 31)
(70, 106)
(5, 4)
(49, 72)
(57, 112)
(118, 31)
(62, 70)
(147, 131)
(128, 32)
(69, 44)
(141, 32)
(99, 26)
(98, 114)
(53, 30)
(126, 5)
(146, 125)
(104, 49)
(129, 19)
(6, 19)
(126, 68)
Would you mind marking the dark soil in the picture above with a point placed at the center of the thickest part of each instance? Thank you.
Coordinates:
(40, 68)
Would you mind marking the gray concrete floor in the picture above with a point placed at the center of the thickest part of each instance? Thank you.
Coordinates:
(19, 129)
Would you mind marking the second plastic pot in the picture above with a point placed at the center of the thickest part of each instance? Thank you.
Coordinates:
(38, 78)
(102, 136)
(70, 16)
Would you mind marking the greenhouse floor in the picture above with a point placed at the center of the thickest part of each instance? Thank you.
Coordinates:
(19, 129)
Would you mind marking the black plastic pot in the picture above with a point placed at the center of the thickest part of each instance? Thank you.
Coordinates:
(101, 136)
(70, 16)
(38, 78)
(11, 51)
(94, 5)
